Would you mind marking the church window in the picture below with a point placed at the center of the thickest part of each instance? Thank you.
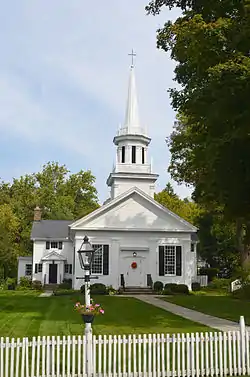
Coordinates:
(169, 260)
(28, 269)
(97, 264)
(133, 154)
(123, 154)
(143, 155)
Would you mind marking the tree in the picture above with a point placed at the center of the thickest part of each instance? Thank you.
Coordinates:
(9, 231)
(211, 145)
(60, 195)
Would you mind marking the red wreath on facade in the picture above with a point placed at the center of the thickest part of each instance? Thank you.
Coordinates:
(134, 265)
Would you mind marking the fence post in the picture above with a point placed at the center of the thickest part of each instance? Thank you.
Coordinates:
(243, 344)
(89, 346)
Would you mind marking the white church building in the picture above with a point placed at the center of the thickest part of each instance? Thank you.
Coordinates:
(138, 240)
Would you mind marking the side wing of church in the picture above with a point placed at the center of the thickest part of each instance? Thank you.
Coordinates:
(137, 240)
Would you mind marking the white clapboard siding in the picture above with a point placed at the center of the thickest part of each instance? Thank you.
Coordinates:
(150, 355)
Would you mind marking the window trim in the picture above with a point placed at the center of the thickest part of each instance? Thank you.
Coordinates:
(165, 246)
(30, 266)
(37, 268)
(123, 155)
(143, 155)
(97, 247)
(133, 154)
(69, 268)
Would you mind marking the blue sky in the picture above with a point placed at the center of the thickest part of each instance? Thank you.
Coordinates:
(63, 83)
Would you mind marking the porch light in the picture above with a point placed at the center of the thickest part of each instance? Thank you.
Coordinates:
(86, 251)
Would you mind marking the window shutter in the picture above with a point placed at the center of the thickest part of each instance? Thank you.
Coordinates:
(47, 245)
(105, 259)
(178, 261)
(60, 245)
(161, 260)
(36, 268)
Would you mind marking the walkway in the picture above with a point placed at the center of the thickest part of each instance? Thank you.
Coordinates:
(205, 319)
(46, 294)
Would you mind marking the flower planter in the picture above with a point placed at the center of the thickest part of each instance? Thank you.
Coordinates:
(88, 318)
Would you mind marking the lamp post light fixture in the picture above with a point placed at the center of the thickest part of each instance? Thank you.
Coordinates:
(86, 257)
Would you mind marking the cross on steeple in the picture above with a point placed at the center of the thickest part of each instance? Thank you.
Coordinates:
(133, 54)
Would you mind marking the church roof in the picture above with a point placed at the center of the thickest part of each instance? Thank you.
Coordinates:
(132, 124)
(53, 229)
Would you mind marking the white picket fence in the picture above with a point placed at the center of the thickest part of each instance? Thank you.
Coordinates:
(157, 355)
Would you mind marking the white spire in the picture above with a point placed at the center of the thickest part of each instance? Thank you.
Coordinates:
(132, 120)
(132, 113)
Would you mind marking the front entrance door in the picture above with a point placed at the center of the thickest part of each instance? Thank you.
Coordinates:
(53, 273)
(135, 277)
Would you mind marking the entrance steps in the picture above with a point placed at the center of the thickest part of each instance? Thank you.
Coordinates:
(50, 287)
(137, 291)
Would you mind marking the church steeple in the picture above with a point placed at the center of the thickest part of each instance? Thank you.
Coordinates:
(132, 167)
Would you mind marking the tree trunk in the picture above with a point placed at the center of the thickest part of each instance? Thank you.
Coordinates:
(242, 241)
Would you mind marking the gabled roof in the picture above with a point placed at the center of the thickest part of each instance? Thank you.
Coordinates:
(50, 229)
(122, 198)
(53, 255)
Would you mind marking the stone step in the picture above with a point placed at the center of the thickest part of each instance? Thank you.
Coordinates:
(50, 287)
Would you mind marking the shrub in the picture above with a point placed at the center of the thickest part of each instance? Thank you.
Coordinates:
(66, 284)
(171, 287)
(181, 289)
(158, 286)
(167, 292)
(65, 292)
(242, 293)
(222, 284)
(196, 286)
(11, 284)
(98, 289)
(37, 285)
(25, 282)
(111, 291)
(210, 272)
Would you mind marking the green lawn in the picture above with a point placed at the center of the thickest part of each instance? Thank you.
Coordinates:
(219, 306)
(26, 314)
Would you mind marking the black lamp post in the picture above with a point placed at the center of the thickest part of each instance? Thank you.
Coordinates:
(86, 257)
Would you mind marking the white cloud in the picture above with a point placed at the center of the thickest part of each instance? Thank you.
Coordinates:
(64, 74)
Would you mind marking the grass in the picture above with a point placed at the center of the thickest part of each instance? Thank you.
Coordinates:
(24, 314)
(218, 306)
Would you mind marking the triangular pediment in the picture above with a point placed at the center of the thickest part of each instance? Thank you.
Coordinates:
(134, 210)
(53, 255)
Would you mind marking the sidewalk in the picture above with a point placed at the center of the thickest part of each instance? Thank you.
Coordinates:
(205, 319)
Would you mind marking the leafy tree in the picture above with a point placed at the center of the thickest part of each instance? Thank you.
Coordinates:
(211, 145)
(60, 195)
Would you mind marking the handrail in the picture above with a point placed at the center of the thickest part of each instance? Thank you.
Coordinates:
(122, 281)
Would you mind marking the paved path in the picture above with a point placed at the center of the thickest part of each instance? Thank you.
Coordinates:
(46, 294)
(205, 319)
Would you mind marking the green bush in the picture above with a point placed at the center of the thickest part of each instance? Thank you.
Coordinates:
(11, 284)
(167, 292)
(25, 282)
(210, 272)
(158, 286)
(66, 284)
(181, 289)
(37, 285)
(65, 292)
(242, 293)
(98, 289)
(220, 284)
(170, 286)
(195, 286)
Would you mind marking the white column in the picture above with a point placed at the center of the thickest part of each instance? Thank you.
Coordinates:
(138, 155)
(128, 157)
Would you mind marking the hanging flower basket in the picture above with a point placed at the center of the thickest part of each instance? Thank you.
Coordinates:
(88, 318)
(134, 265)
(88, 312)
